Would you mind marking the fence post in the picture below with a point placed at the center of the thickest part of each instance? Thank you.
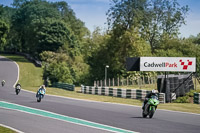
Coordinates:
(118, 82)
(127, 81)
(148, 80)
(113, 82)
(143, 80)
(109, 82)
(138, 82)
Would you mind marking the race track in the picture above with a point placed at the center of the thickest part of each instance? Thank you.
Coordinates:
(115, 115)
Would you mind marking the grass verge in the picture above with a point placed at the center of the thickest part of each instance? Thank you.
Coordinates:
(31, 79)
(30, 76)
(6, 130)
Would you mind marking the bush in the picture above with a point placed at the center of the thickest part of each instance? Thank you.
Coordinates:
(184, 99)
(191, 93)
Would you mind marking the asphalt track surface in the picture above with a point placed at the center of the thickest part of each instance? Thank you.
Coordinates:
(116, 115)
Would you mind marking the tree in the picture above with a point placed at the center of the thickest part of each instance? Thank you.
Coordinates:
(153, 18)
(195, 39)
(18, 3)
(50, 35)
(26, 18)
(68, 16)
(75, 70)
(59, 72)
(179, 48)
(113, 52)
(3, 34)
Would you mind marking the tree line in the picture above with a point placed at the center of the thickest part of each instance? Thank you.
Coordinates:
(51, 32)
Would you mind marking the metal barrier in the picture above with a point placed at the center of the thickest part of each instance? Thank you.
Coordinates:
(124, 93)
(64, 86)
(197, 98)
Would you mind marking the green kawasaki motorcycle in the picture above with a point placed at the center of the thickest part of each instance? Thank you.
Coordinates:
(150, 107)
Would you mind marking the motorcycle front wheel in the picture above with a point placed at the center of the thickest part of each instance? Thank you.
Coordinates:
(144, 115)
(39, 99)
(151, 112)
(17, 91)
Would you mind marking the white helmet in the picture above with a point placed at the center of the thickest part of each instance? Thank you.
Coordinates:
(153, 91)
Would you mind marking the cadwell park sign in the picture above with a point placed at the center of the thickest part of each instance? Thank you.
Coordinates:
(170, 64)
(177, 64)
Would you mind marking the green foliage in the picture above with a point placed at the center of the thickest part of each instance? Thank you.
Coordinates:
(43, 26)
(179, 48)
(79, 70)
(153, 18)
(68, 16)
(197, 39)
(3, 34)
(191, 93)
(28, 19)
(184, 99)
(50, 35)
(59, 72)
(93, 43)
(136, 28)
(115, 51)
(60, 67)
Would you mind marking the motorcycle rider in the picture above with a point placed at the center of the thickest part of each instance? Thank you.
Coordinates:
(3, 82)
(42, 88)
(152, 93)
(18, 84)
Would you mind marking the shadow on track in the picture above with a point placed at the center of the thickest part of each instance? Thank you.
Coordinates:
(138, 117)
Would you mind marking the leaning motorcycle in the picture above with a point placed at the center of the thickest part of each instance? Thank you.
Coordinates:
(17, 89)
(150, 107)
(40, 95)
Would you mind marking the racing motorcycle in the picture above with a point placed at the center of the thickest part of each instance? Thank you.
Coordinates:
(17, 89)
(40, 95)
(150, 107)
(3, 83)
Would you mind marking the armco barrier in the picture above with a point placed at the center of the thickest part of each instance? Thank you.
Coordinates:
(64, 86)
(124, 93)
(197, 98)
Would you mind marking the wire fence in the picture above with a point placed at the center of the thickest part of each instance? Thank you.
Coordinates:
(139, 82)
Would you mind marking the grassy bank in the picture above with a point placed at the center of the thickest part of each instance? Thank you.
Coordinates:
(6, 130)
(30, 76)
(31, 79)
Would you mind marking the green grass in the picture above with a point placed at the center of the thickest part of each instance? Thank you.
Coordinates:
(30, 76)
(31, 79)
(6, 130)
